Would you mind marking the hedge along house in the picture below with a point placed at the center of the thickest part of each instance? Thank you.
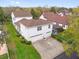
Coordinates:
(33, 29)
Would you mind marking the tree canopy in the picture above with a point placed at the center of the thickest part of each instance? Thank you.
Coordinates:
(76, 10)
(36, 12)
(1, 15)
(53, 9)
(71, 35)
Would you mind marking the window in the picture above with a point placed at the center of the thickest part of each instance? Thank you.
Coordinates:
(39, 28)
(60, 25)
(49, 26)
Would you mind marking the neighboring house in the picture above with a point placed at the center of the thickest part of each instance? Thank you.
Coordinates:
(66, 12)
(59, 20)
(20, 14)
(36, 29)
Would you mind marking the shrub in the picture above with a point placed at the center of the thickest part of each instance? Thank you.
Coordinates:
(25, 41)
(17, 34)
(59, 37)
(22, 37)
(60, 30)
(28, 42)
(70, 41)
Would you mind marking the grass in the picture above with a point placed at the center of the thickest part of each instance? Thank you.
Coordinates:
(4, 56)
(18, 50)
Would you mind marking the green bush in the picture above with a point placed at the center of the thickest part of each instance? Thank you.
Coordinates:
(70, 41)
(59, 37)
(28, 42)
(17, 34)
(23, 40)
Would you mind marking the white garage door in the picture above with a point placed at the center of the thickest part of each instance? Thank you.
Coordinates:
(48, 34)
(35, 38)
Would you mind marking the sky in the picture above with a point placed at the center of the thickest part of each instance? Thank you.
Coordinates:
(39, 3)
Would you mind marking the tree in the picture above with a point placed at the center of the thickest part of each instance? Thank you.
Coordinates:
(53, 9)
(1, 16)
(76, 10)
(74, 34)
(70, 10)
(36, 13)
(71, 35)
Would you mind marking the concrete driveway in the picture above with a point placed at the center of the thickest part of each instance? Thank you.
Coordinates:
(48, 48)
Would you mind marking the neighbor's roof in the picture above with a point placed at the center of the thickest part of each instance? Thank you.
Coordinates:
(51, 17)
(33, 22)
(21, 13)
(56, 18)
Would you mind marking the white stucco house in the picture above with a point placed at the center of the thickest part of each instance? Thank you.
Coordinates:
(34, 29)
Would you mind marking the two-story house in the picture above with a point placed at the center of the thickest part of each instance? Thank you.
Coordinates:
(36, 29)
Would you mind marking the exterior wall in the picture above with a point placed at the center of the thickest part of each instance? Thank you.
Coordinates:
(24, 32)
(12, 15)
(31, 34)
(34, 39)
(17, 27)
(37, 35)
(60, 25)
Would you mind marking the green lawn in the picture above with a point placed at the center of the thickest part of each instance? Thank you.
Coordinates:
(17, 49)
(4, 56)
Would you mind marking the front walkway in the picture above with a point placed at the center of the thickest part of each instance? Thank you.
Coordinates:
(48, 48)
(3, 49)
